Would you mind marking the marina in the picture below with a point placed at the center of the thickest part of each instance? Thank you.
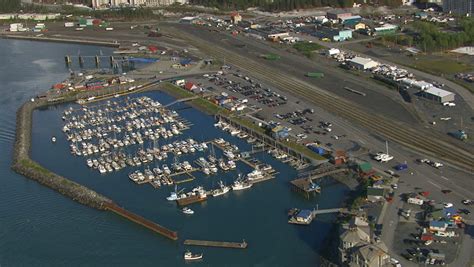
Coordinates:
(152, 199)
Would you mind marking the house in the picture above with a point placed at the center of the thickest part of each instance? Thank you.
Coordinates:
(363, 63)
(370, 256)
(190, 86)
(355, 233)
(235, 17)
(375, 194)
(438, 226)
(360, 26)
(180, 82)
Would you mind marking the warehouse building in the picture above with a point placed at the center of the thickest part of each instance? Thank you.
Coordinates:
(437, 94)
(338, 14)
(363, 63)
(385, 29)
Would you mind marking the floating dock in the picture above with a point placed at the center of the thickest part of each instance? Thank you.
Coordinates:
(191, 200)
(220, 244)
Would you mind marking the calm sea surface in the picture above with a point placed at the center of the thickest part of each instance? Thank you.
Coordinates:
(39, 227)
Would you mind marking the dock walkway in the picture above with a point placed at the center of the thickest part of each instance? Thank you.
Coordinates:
(221, 244)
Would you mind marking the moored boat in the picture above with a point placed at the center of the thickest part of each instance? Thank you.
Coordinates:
(188, 256)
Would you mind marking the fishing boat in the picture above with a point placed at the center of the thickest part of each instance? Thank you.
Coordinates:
(221, 190)
(188, 211)
(255, 175)
(188, 256)
(241, 184)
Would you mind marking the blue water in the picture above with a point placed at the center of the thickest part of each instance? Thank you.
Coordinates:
(40, 227)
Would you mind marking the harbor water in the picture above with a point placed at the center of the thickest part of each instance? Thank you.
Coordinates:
(40, 227)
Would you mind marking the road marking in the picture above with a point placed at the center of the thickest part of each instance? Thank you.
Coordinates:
(434, 184)
(445, 178)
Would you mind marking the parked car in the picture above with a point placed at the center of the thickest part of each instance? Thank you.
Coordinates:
(467, 202)
(448, 205)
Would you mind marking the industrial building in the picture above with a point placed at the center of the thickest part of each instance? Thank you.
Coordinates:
(363, 63)
(338, 14)
(385, 29)
(437, 94)
(351, 21)
(342, 35)
(460, 7)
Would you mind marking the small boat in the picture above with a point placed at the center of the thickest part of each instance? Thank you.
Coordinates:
(53, 139)
(188, 211)
(221, 190)
(192, 257)
(173, 196)
(241, 184)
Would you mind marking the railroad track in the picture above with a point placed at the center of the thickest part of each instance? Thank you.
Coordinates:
(418, 140)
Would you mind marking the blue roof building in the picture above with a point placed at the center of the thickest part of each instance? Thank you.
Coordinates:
(304, 216)
(185, 61)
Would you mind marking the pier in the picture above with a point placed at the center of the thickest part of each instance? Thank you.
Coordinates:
(305, 184)
(142, 221)
(305, 217)
(299, 160)
(220, 244)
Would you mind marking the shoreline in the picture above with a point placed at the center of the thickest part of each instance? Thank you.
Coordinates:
(60, 40)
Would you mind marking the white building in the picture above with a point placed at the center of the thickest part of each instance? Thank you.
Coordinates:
(438, 95)
(333, 51)
(363, 63)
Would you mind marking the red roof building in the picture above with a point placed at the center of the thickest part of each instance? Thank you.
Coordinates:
(190, 86)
